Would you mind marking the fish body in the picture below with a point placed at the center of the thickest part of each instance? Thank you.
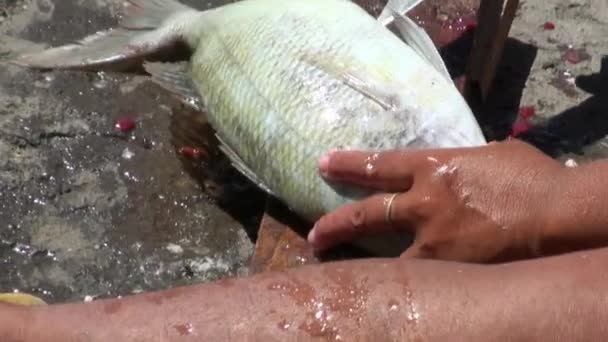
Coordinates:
(285, 81)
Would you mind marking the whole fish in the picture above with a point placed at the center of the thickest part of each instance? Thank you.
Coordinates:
(285, 81)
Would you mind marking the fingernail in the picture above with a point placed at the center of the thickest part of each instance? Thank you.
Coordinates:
(312, 235)
(324, 164)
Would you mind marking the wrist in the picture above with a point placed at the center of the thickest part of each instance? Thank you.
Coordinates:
(577, 216)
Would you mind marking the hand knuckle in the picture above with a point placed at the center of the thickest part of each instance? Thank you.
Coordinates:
(358, 218)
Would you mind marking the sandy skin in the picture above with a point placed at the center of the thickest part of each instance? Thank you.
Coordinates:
(369, 300)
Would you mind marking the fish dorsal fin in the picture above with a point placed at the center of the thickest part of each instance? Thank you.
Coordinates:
(240, 165)
(417, 38)
(399, 6)
(175, 78)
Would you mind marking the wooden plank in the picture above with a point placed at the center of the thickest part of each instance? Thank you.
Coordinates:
(280, 244)
(500, 38)
(494, 24)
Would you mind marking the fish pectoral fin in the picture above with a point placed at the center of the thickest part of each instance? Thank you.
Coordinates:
(400, 6)
(416, 37)
(20, 299)
(371, 89)
(384, 95)
(175, 78)
(239, 164)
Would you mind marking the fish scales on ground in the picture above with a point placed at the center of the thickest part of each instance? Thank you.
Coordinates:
(284, 81)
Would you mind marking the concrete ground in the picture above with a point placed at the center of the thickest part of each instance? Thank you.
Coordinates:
(89, 211)
(86, 210)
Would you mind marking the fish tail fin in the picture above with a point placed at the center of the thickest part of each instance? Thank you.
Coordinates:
(20, 299)
(148, 27)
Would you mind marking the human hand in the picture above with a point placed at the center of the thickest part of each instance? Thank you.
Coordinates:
(469, 204)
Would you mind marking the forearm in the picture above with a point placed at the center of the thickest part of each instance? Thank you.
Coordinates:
(366, 300)
(373, 300)
(579, 210)
(352, 301)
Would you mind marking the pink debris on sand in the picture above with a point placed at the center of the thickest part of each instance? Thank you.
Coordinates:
(573, 55)
(549, 26)
(527, 112)
(192, 152)
(522, 123)
(125, 124)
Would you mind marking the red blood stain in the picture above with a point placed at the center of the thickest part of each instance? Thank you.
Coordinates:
(125, 124)
(522, 123)
(527, 112)
(548, 26)
(519, 127)
(572, 55)
(192, 152)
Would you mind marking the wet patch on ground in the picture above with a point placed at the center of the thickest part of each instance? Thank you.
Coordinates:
(87, 210)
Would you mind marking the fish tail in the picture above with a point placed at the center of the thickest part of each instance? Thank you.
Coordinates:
(20, 299)
(147, 28)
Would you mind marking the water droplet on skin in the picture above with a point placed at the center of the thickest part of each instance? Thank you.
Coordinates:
(370, 164)
(284, 325)
(445, 170)
(184, 329)
(393, 305)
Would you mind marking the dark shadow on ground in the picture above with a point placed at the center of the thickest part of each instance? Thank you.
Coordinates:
(496, 114)
(579, 126)
(231, 191)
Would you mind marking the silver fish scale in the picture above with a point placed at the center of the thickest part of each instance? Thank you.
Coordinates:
(264, 92)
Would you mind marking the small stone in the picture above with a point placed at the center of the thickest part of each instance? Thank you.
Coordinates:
(175, 249)
(571, 163)
(88, 298)
(127, 154)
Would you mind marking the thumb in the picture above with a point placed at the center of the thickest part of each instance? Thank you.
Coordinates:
(418, 250)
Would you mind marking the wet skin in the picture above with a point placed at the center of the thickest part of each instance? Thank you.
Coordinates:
(403, 299)
(502, 201)
(500, 198)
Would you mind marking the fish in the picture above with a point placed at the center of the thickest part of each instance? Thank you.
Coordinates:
(282, 82)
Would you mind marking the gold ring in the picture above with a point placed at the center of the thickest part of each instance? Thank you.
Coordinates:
(389, 208)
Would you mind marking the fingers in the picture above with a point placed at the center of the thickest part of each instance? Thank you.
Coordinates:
(368, 216)
(388, 171)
